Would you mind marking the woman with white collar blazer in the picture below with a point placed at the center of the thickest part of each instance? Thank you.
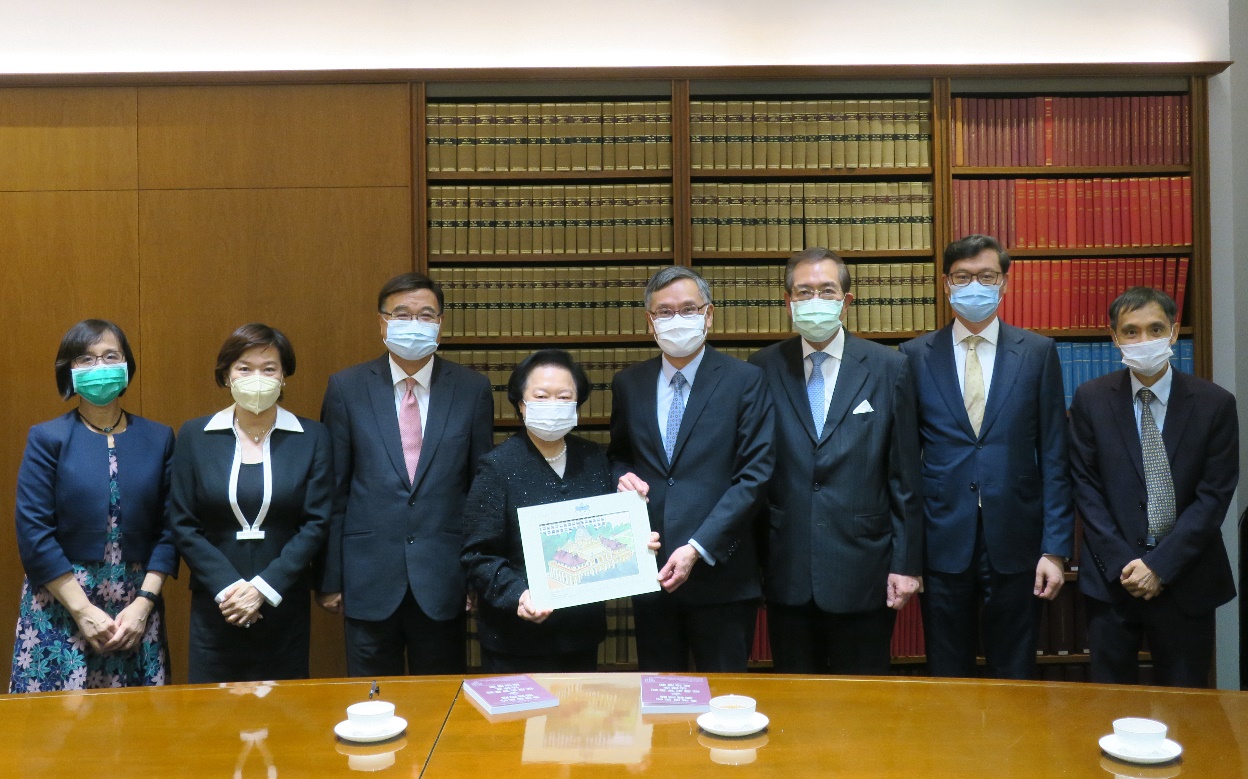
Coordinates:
(249, 504)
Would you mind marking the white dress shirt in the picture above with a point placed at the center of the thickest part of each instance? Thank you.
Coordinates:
(1161, 398)
(666, 396)
(399, 377)
(986, 351)
(831, 368)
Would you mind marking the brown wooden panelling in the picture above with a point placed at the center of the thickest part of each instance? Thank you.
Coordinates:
(72, 138)
(257, 136)
(307, 261)
(64, 256)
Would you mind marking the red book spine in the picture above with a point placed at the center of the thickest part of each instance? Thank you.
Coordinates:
(1100, 153)
(1187, 210)
(1118, 137)
(1167, 212)
(1026, 317)
(1062, 212)
(1180, 290)
(1070, 200)
(1047, 296)
(991, 225)
(1030, 225)
(1115, 209)
(995, 123)
(1042, 214)
(1137, 126)
(1052, 185)
(1035, 150)
(1081, 293)
(1154, 208)
(1176, 209)
(1011, 129)
(1081, 213)
(1064, 316)
(1154, 130)
(1020, 214)
(959, 207)
(972, 131)
(1098, 214)
(1133, 206)
(1167, 282)
(1168, 127)
(1185, 128)
(1047, 129)
(1102, 291)
(1141, 272)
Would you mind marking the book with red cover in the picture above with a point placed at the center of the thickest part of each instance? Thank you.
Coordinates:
(675, 694)
(1081, 293)
(1180, 287)
(1150, 119)
(505, 694)
(1134, 231)
(1137, 124)
(1168, 127)
(1102, 291)
(1187, 210)
(1010, 208)
(1030, 224)
(1099, 108)
(1168, 280)
(1054, 190)
(1066, 270)
(1166, 202)
(1044, 311)
(1176, 209)
(1042, 213)
(1115, 201)
(1098, 213)
(1154, 206)
(1185, 127)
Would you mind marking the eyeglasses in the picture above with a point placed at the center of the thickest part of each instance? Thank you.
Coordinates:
(427, 316)
(664, 313)
(90, 360)
(809, 293)
(989, 278)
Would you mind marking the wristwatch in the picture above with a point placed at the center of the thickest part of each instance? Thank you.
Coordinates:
(153, 597)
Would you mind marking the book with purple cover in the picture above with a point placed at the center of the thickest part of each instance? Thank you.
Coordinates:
(675, 695)
(505, 694)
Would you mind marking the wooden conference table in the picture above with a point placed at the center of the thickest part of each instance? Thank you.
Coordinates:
(843, 727)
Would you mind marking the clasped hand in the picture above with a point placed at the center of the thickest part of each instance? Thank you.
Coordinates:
(242, 604)
(1140, 581)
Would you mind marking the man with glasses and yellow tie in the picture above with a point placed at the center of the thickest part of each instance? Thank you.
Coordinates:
(1155, 460)
(996, 482)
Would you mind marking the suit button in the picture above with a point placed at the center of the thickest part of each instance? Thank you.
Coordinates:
(563, 488)
(670, 482)
(411, 539)
(1143, 506)
(411, 501)
(974, 486)
(979, 445)
(816, 486)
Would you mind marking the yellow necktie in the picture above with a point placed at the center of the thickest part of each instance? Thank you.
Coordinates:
(973, 394)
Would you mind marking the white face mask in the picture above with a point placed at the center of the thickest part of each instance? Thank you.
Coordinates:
(680, 336)
(256, 393)
(816, 319)
(412, 340)
(1147, 358)
(550, 420)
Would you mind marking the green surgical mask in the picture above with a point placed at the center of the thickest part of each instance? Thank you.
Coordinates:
(100, 385)
(816, 319)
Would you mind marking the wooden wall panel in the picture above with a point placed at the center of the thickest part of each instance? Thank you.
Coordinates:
(274, 136)
(307, 261)
(64, 256)
(68, 138)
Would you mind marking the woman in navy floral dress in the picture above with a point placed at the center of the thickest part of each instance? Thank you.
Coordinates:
(92, 530)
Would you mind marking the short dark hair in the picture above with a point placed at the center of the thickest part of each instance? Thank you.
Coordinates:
(971, 246)
(1135, 298)
(410, 282)
(252, 336)
(812, 255)
(81, 337)
(557, 357)
(670, 274)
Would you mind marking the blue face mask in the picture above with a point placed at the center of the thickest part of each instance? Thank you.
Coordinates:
(975, 302)
(413, 340)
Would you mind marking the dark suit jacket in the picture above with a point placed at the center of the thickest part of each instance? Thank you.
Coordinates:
(844, 509)
(1201, 435)
(723, 458)
(388, 535)
(294, 528)
(1019, 465)
(510, 477)
(62, 496)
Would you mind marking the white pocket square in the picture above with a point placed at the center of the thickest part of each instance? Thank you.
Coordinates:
(864, 408)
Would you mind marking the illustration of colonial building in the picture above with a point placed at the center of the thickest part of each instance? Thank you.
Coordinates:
(586, 555)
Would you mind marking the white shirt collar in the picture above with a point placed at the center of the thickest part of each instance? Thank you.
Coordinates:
(224, 420)
(991, 333)
(1160, 390)
(835, 348)
(422, 376)
(689, 371)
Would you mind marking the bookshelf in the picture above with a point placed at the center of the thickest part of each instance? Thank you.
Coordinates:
(544, 206)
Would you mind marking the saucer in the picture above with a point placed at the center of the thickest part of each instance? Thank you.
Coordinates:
(346, 731)
(710, 724)
(1168, 750)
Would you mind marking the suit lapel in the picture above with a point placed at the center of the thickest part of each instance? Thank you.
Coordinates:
(1178, 411)
(943, 370)
(648, 399)
(381, 395)
(849, 380)
(1122, 410)
(793, 378)
(1008, 362)
(441, 392)
(705, 382)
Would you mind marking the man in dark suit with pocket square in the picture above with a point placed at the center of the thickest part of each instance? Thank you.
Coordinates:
(996, 473)
(1155, 460)
(407, 429)
(692, 431)
(845, 515)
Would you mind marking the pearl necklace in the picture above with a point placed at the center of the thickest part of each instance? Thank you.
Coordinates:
(239, 427)
(562, 452)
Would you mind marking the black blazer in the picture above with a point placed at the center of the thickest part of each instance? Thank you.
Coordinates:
(723, 458)
(845, 509)
(511, 477)
(389, 536)
(1201, 435)
(295, 526)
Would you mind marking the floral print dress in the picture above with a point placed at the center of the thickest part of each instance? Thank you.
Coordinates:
(49, 652)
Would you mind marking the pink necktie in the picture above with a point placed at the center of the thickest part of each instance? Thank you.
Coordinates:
(410, 430)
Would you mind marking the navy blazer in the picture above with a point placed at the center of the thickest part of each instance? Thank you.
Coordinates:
(1019, 466)
(389, 535)
(294, 528)
(1201, 436)
(844, 509)
(63, 492)
(712, 491)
